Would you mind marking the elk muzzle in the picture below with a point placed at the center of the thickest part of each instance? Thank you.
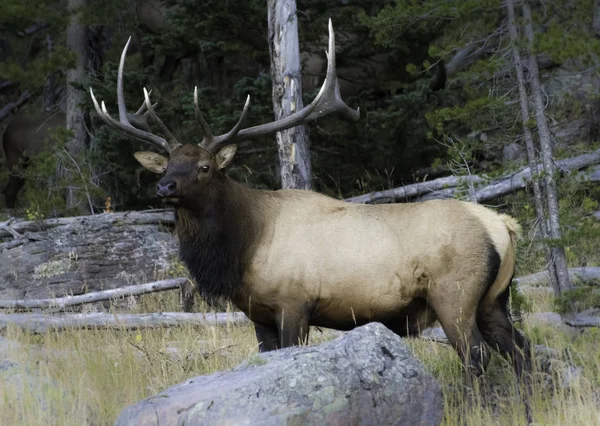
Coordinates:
(166, 188)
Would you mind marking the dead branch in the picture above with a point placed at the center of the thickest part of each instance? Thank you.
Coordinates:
(413, 190)
(446, 187)
(540, 279)
(98, 296)
(146, 217)
(43, 323)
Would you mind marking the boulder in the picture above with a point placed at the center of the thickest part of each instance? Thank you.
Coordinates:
(367, 377)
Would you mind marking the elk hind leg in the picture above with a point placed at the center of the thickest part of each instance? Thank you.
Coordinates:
(500, 333)
(268, 338)
(293, 328)
(466, 338)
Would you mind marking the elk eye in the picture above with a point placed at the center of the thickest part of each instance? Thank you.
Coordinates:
(204, 169)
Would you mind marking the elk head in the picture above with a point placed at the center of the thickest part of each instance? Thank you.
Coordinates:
(192, 171)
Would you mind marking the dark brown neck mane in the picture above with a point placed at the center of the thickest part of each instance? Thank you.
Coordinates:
(214, 237)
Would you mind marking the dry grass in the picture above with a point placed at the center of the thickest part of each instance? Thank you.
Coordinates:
(87, 377)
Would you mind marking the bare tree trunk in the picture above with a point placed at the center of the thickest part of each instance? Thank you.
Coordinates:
(50, 86)
(558, 253)
(596, 19)
(292, 144)
(531, 152)
(77, 37)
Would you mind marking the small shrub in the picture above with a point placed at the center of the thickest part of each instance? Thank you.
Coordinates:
(578, 299)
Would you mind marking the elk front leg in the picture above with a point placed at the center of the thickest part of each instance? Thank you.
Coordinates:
(292, 328)
(268, 338)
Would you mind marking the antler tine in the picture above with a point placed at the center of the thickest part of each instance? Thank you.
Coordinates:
(330, 99)
(128, 128)
(327, 101)
(142, 109)
(120, 92)
(208, 134)
(222, 140)
(172, 140)
(123, 124)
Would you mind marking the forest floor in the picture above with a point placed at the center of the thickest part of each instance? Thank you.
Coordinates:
(84, 377)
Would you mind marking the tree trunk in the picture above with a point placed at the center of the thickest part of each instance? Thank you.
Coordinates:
(596, 19)
(292, 144)
(49, 97)
(77, 37)
(558, 253)
(531, 152)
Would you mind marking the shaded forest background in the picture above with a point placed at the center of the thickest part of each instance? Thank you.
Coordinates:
(433, 80)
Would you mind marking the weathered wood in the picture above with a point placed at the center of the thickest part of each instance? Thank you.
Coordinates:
(72, 256)
(414, 190)
(42, 323)
(98, 296)
(596, 18)
(446, 187)
(587, 318)
(541, 278)
(77, 43)
(532, 156)
(292, 144)
(144, 217)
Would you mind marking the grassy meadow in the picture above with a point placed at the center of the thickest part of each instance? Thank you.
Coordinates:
(86, 377)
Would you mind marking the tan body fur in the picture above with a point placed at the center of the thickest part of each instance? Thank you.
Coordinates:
(351, 263)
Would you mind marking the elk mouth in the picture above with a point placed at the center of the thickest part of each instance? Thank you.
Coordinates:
(171, 201)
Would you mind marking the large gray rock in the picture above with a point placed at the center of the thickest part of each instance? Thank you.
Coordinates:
(367, 377)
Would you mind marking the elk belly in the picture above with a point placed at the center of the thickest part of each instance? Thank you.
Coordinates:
(342, 278)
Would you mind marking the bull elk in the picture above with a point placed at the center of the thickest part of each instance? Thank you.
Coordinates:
(291, 259)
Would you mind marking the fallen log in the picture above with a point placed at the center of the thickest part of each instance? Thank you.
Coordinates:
(587, 318)
(413, 190)
(42, 323)
(98, 296)
(446, 187)
(78, 255)
(541, 278)
(520, 180)
(144, 217)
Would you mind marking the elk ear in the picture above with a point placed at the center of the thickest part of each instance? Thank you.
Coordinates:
(225, 155)
(152, 161)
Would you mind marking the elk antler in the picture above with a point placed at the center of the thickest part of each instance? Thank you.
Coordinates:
(124, 125)
(327, 101)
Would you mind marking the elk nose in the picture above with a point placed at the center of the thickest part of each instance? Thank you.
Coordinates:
(166, 188)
